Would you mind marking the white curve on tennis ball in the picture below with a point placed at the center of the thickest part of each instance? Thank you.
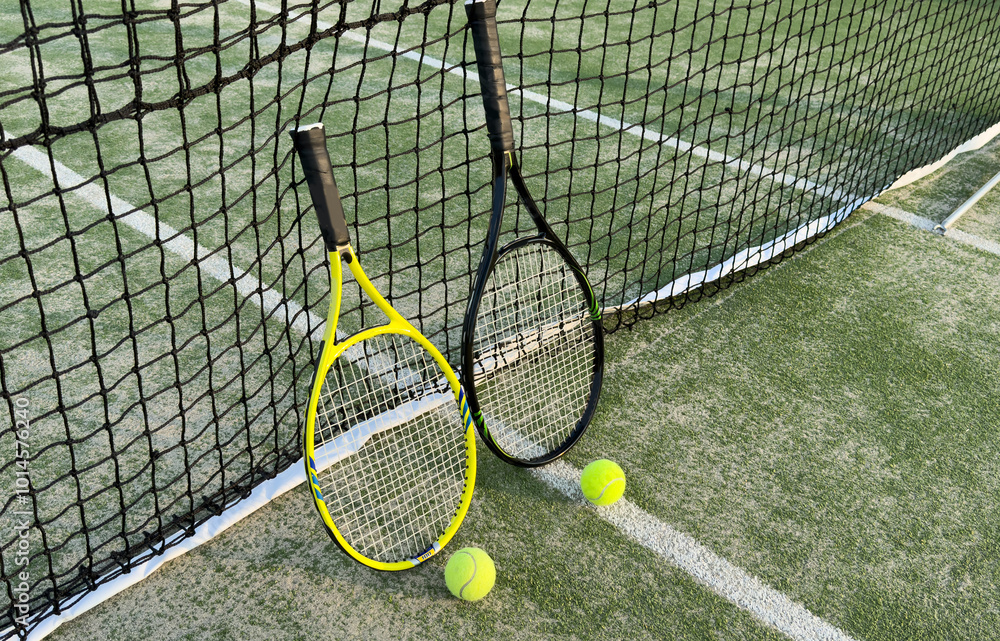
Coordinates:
(475, 570)
(606, 486)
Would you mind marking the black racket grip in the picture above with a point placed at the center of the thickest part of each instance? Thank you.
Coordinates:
(482, 16)
(310, 142)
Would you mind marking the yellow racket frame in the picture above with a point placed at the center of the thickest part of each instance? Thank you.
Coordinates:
(331, 351)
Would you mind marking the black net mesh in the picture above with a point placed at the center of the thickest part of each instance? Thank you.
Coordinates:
(161, 287)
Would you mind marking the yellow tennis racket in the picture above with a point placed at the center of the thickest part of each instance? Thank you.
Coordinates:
(389, 446)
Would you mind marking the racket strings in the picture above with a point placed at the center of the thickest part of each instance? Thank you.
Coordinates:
(535, 351)
(399, 491)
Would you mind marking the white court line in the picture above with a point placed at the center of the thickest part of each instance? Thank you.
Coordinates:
(926, 224)
(558, 107)
(722, 577)
(275, 305)
(214, 264)
(725, 579)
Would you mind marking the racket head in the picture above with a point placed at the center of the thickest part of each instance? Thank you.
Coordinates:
(533, 359)
(389, 394)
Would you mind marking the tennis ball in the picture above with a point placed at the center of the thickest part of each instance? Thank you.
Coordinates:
(470, 574)
(602, 482)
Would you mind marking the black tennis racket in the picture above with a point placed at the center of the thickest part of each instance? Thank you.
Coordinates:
(532, 340)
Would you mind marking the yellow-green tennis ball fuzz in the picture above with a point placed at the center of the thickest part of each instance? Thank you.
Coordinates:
(603, 482)
(470, 574)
